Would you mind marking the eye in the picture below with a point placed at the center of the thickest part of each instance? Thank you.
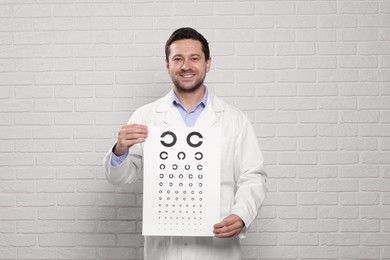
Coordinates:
(195, 58)
(177, 59)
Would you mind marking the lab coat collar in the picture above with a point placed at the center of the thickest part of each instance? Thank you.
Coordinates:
(207, 118)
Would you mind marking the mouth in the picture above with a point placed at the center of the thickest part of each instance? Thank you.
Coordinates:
(187, 75)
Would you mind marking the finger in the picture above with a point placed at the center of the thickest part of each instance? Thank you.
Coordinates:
(136, 126)
(228, 234)
(235, 226)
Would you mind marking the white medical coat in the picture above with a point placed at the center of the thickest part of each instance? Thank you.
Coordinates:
(242, 176)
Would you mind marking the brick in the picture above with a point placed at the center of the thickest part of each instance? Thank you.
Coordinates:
(291, 104)
(338, 185)
(359, 252)
(275, 63)
(93, 213)
(358, 171)
(35, 173)
(319, 117)
(276, 8)
(54, 78)
(322, 252)
(234, 9)
(7, 201)
(54, 240)
(53, 24)
(33, 119)
(190, 9)
(296, 130)
(323, 48)
(359, 225)
(359, 199)
(337, 21)
(378, 185)
(318, 226)
(359, 89)
(17, 213)
(67, 10)
(47, 186)
(17, 78)
(101, 240)
(273, 199)
(277, 225)
(255, 22)
(235, 63)
(338, 212)
(252, 77)
(233, 36)
(16, 24)
(374, 130)
(153, 10)
(269, 252)
(375, 157)
(276, 90)
(77, 253)
(374, 21)
(312, 198)
(357, 144)
(357, 35)
(72, 226)
(35, 200)
(360, 117)
(279, 145)
(295, 49)
(117, 227)
(245, 49)
(79, 64)
(317, 172)
(55, 213)
(275, 35)
(93, 23)
(16, 160)
(113, 10)
(317, 90)
(32, 11)
(330, 103)
(253, 104)
(377, 48)
(358, 8)
(93, 105)
(293, 239)
(118, 253)
(297, 185)
(340, 239)
(316, 62)
(338, 76)
(374, 212)
(74, 118)
(36, 227)
(235, 90)
(13, 105)
(297, 212)
(301, 21)
(205, 22)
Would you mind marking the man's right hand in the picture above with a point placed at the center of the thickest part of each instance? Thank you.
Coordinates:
(128, 135)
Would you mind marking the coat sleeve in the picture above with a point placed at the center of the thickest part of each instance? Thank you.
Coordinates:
(250, 175)
(128, 170)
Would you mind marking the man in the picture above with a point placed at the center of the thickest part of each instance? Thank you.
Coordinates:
(191, 104)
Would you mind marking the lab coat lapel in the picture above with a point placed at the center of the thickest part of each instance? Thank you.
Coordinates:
(172, 117)
(210, 114)
(169, 114)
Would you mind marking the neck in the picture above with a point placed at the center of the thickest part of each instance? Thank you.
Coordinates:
(190, 100)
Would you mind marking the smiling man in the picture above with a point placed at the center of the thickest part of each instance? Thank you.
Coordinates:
(242, 186)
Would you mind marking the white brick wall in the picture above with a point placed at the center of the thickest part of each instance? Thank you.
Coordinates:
(314, 77)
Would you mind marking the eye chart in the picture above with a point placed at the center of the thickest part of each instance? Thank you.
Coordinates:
(181, 181)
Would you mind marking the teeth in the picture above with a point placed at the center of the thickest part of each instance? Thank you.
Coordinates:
(187, 76)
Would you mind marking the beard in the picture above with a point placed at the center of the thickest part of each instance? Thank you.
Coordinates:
(198, 83)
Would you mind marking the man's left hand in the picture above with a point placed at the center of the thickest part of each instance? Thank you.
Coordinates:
(229, 227)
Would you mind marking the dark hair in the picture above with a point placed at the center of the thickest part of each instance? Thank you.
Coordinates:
(187, 33)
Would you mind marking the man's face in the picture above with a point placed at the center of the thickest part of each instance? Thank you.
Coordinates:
(187, 65)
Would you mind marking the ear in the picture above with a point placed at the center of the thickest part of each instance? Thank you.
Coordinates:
(166, 64)
(208, 64)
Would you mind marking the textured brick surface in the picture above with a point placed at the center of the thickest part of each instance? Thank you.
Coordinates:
(313, 76)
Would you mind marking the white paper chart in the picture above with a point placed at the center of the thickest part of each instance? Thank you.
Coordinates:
(181, 181)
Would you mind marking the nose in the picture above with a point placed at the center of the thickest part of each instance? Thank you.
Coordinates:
(186, 64)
